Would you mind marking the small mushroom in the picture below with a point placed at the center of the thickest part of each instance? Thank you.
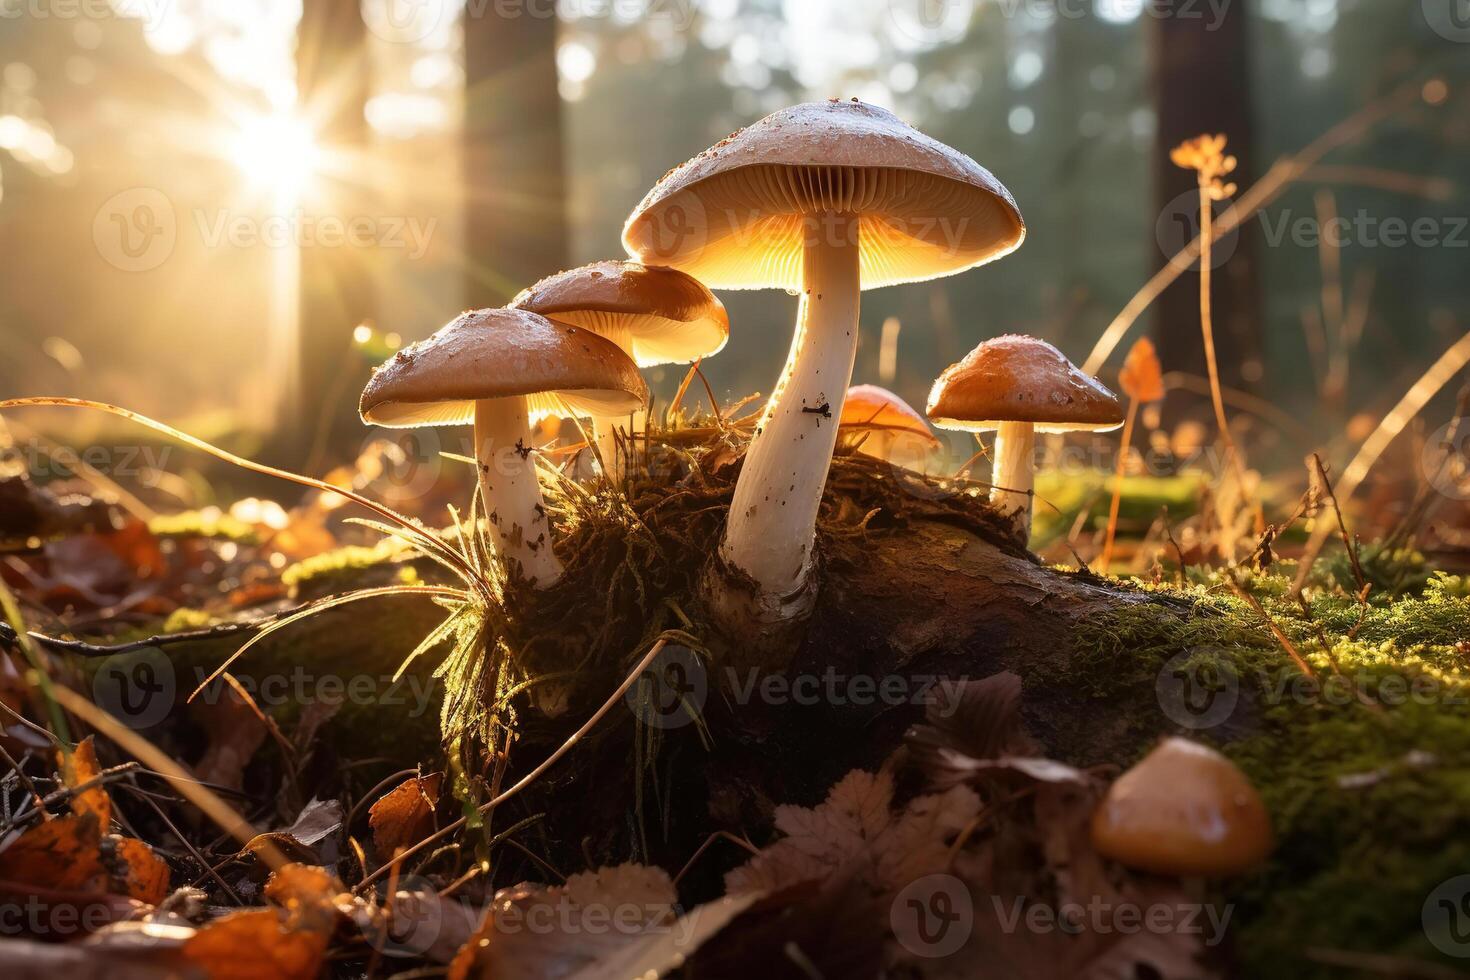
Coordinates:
(503, 370)
(883, 425)
(1185, 810)
(825, 200)
(1016, 386)
(655, 316)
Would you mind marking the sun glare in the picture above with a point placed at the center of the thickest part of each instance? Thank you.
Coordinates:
(276, 153)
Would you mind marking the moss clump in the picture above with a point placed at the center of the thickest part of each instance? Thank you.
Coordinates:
(1366, 769)
(343, 568)
(207, 523)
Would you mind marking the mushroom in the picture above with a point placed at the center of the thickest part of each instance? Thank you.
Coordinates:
(654, 315)
(883, 425)
(1018, 385)
(824, 200)
(1185, 810)
(503, 370)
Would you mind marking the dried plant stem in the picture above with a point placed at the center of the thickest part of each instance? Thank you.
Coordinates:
(1125, 443)
(1439, 374)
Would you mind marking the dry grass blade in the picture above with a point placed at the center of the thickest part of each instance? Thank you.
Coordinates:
(420, 537)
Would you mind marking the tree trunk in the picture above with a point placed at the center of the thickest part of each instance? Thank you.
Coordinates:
(1201, 82)
(337, 284)
(515, 181)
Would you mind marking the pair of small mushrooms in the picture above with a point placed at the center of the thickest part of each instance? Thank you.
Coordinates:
(571, 345)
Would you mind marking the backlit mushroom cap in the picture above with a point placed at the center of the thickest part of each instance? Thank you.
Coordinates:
(733, 216)
(1184, 810)
(669, 317)
(869, 408)
(1021, 379)
(485, 354)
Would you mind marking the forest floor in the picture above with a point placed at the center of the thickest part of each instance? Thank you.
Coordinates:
(588, 781)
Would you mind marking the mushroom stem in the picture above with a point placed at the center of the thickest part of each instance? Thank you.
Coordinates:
(773, 517)
(510, 490)
(1013, 478)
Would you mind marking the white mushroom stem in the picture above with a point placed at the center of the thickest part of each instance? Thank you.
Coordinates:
(510, 490)
(773, 517)
(1013, 478)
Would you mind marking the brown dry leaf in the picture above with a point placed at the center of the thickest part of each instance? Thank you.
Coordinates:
(256, 943)
(856, 828)
(62, 853)
(405, 814)
(310, 895)
(535, 931)
(138, 872)
(77, 767)
(235, 733)
(1142, 377)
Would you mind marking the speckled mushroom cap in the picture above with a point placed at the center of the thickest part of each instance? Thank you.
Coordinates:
(733, 216)
(1184, 810)
(668, 316)
(878, 409)
(559, 368)
(1021, 379)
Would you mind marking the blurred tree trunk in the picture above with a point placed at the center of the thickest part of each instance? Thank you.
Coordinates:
(1201, 82)
(336, 290)
(515, 177)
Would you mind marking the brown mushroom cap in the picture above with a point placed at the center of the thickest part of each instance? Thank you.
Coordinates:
(733, 216)
(871, 408)
(670, 317)
(499, 354)
(1184, 810)
(1021, 379)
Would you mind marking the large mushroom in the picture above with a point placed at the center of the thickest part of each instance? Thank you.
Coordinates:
(1018, 386)
(1184, 810)
(825, 200)
(654, 315)
(503, 370)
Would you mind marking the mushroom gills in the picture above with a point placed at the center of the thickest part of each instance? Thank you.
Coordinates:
(510, 491)
(780, 487)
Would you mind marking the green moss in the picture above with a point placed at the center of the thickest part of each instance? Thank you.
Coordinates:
(1371, 802)
(207, 523)
(344, 566)
(1063, 496)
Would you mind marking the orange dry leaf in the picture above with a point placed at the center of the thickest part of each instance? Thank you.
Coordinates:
(308, 894)
(1142, 377)
(77, 767)
(253, 944)
(64, 853)
(405, 815)
(139, 872)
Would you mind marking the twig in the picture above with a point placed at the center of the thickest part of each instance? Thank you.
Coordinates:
(1281, 637)
(699, 851)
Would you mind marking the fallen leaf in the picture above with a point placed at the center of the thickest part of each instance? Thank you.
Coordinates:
(856, 828)
(233, 732)
(64, 852)
(405, 815)
(253, 944)
(1142, 377)
(77, 767)
(972, 720)
(138, 872)
(552, 933)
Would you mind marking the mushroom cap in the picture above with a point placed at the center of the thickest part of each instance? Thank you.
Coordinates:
(733, 216)
(559, 368)
(670, 317)
(875, 409)
(1021, 379)
(1184, 810)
